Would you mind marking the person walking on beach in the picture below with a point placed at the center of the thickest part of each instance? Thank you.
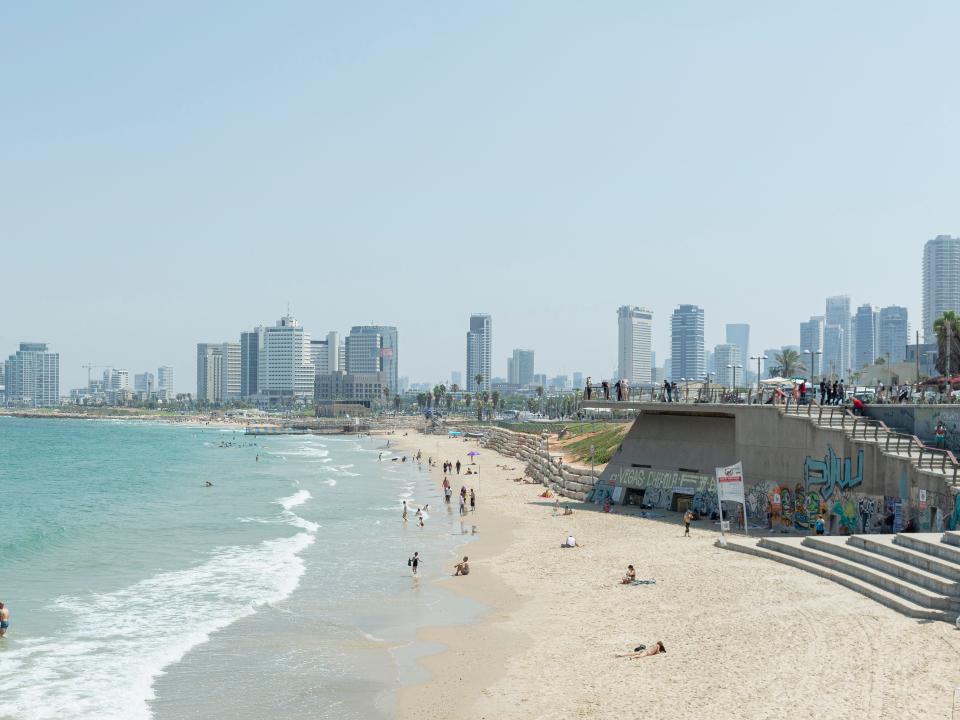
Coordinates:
(5, 618)
(687, 519)
(380, 457)
(414, 563)
(473, 501)
(458, 467)
(404, 510)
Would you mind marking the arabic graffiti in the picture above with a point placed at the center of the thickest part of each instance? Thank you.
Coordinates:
(832, 472)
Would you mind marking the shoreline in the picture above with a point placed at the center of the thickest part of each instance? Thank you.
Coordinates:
(739, 630)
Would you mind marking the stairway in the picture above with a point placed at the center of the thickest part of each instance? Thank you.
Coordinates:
(917, 574)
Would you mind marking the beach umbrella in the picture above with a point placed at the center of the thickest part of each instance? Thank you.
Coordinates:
(472, 454)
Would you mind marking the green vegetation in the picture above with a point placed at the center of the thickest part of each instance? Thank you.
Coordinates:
(606, 442)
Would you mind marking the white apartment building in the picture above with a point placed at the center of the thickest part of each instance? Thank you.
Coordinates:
(729, 354)
(634, 344)
(479, 352)
(941, 281)
(286, 367)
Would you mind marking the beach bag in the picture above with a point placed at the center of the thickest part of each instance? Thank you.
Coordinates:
(409, 562)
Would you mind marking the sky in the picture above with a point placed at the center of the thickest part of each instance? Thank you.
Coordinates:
(180, 172)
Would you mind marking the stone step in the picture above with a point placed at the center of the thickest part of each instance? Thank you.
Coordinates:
(890, 600)
(930, 544)
(951, 538)
(891, 583)
(887, 546)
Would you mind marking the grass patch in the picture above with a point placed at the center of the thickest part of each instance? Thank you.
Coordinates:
(606, 441)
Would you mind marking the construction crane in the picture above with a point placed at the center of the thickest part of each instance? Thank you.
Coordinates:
(90, 367)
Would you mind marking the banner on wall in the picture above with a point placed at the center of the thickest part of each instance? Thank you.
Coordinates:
(730, 487)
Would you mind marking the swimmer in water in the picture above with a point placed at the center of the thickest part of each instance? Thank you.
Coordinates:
(207, 483)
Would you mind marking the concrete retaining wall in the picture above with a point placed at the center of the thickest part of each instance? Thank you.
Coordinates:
(920, 420)
(569, 481)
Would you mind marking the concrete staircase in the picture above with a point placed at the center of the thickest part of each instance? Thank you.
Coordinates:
(917, 574)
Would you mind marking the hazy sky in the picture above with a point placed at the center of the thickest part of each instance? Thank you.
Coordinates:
(179, 172)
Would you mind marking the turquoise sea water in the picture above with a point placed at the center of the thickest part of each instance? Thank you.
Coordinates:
(137, 592)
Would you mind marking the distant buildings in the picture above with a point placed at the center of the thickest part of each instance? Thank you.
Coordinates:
(941, 281)
(144, 383)
(285, 368)
(634, 344)
(479, 352)
(686, 343)
(456, 378)
(834, 342)
(373, 349)
(864, 337)
(520, 368)
(165, 381)
(32, 377)
(892, 334)
(577, 380)
(729, 364)
(771, 361)
(811, 345)
(209, 373)
(739, 334)
(838, 315)
(250, 361)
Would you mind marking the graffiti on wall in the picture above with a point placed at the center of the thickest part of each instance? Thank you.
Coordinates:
(832, 472)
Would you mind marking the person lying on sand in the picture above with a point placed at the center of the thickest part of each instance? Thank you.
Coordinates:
(629, 577)
(644, 651)
(462, 568)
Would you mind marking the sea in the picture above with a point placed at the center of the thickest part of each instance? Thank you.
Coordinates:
(281, 590)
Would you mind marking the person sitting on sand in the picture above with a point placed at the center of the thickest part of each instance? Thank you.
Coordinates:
(630, 576)
(568, 510)
(570, 542)
(643, 651)
(462, 568)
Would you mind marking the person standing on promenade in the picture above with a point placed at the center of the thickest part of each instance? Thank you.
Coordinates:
(589, 388)
(618, 388)
(4, 619)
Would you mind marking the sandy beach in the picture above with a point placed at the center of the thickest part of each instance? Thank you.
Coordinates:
(745, 637)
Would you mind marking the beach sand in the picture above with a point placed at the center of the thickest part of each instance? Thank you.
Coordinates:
(745, 637)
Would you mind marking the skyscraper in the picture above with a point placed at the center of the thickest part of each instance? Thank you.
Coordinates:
(209, 373)
(479, 352)
(32, 377)
(634, 341)
(249, 361)
(165, 380)
(372, 349)
(864, 337)
(833, 343)
(811, 345)
(728, 354)
(739, 335)
(285, 368)
(230, 371)
(144, 383)
(838, 313)
(456, 378)
(520, 368)
(892, 334)
(941, 281)
(686, 343)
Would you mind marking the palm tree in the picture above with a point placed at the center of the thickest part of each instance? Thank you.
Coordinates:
(479, 379)
(495, 399)
(466, 399)
(788, 363)
(948, 343)
(396, 403)
(540, 396)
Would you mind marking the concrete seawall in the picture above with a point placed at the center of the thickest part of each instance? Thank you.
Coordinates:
(570, 481)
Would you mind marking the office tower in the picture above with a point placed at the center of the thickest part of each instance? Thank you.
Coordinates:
(577, 380)
(209, 373)
(864, 337)
(144, 382)
(335, 352)
(230, 370)
(833, 344)
(165, 380)
(709, 362)
(285, 368)
(686, 340)
(250, 361)
(32, 377)
(320, 354)
(728, 354)
(941, 281)
(770, 362)
(892, 334)
(634, 341)
(838, 313)
(739, 335)
(372, 349)
(479, 352)
(521, 363)
(119, 380)
(456, 378)
(811, 345)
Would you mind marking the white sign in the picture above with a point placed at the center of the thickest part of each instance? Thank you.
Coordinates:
(730, 483)
(923, 495)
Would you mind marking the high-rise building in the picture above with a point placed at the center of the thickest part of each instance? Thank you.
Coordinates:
(165, 380)
(32, 377)
(838, 313)
(634, 344)
(520, 368)
(811, 345)
(285, 368)
(730, 369)
(771, 361)
(864, 337)
(479, 352)
(250, 361)
(230, 369)
(336, 352)
(540, 380)
(209, 373)
(372, 349)
(686, 341)
(144, 383)
(577, 380)
(833, 344)
(118, 379)
(739, 335)
(941, 281)
(709, 362)
(892, 334)
(456, 378)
